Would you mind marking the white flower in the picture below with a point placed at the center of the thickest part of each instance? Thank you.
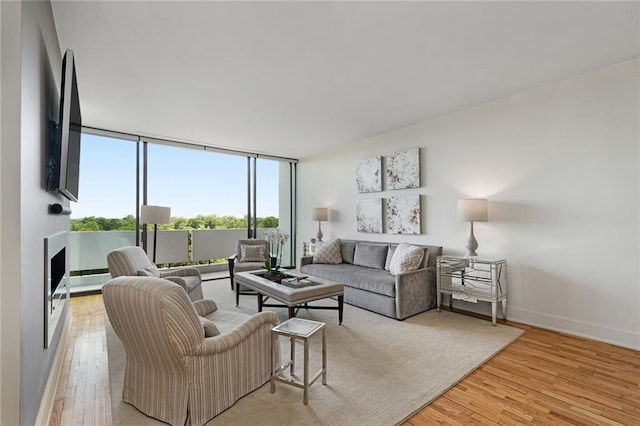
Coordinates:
(275, 236)
(276, 240)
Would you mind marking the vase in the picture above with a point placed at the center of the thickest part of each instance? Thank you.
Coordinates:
(274, 261)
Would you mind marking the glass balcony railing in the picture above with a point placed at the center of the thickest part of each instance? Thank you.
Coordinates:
(88, 251)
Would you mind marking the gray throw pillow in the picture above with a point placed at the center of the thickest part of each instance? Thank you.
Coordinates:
(370, 255)
(347, 250)
(252, 253)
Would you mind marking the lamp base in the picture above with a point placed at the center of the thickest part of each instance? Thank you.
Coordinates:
(472, 244)
(319, 235)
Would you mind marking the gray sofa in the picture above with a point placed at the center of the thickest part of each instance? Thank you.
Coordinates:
(368, 284)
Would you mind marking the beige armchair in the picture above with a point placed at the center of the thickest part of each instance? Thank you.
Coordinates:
(133, 261)
(250, 262)
(174, 373)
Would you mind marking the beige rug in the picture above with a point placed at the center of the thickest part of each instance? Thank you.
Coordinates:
(380, 371)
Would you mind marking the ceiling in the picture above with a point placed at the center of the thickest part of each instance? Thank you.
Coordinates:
(293, 79)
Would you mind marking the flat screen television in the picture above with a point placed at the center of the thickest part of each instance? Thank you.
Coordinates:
(63, 168)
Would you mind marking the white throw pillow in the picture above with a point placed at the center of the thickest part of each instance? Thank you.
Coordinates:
(252, 253)
(328, 252)
(406, 258)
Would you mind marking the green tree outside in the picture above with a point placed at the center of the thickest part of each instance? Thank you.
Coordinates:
(128, 223)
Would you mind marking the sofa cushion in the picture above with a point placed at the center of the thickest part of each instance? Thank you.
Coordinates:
(370, 255)
(406, 258)
(347, 250)
(361, 277)
(328, 253)
(252, 253)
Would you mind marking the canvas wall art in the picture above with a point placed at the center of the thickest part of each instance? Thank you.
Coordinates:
(369, 215)
(403, 215)
(369, 174)
(403, 169)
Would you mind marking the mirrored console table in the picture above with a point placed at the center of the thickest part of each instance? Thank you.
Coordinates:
(473, 280)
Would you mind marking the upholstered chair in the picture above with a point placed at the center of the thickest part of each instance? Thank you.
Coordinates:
(186, 361)
(133, 261)
(249, 256)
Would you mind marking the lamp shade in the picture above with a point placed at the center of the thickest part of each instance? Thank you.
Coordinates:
(474, 210)
(155, 214)
(320, 214)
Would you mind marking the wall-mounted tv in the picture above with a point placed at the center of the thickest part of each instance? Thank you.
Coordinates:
(63, 167)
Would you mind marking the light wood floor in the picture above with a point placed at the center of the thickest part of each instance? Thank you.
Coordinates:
(542, 378)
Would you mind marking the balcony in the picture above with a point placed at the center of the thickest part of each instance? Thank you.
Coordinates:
(208, 248)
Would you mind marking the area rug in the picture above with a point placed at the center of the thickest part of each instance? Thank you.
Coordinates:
(380, 370)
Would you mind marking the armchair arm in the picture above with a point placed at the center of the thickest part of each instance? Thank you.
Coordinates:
(205, 306)
(180, 272)
(305, 260)
(178, 280)
(226, 341)
(231, 260)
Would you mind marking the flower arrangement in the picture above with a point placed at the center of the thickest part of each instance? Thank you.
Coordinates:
(276, 240)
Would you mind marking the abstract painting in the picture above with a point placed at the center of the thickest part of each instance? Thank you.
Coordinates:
(368, 174)
(403, 215)
(403, 169)
(369, 215)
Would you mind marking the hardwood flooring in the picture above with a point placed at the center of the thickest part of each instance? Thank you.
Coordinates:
(83, 396)
(544, 377)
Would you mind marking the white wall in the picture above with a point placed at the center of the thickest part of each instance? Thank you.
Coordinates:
(25, 219)
(10, 214)
(559, 166)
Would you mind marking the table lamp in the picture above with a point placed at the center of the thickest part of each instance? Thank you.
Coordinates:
(474, 210)
(320, 214)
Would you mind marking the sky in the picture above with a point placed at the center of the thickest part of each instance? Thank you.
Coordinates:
(191, 182)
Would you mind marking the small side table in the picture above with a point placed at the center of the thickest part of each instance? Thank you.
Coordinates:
(297, 328)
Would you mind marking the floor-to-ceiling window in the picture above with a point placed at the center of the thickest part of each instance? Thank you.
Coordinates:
(207, 194)
(104, 218)
(274, 201)
(216, 197)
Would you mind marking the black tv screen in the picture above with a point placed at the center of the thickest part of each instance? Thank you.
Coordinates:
(64, 152)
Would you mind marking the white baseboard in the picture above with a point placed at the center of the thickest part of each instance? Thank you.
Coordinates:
(615, 336)
(49, 395)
